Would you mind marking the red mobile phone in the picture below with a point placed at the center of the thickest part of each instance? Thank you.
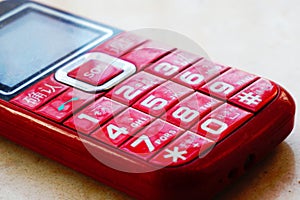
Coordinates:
(148, 119)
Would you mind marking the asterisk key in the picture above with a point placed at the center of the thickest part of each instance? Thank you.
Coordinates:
(175, 154)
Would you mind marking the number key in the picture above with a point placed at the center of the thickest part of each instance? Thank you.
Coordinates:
(172, 64)
(190, 110)
(94, 115)
(228, 83)
(119, 129)
(199, 73)
(162, 98)
(134, 88)
(221, 122)
(151, 139)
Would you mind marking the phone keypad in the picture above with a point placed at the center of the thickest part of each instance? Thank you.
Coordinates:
(175, 108)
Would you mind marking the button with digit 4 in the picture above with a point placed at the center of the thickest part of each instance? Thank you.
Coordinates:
(120, 128)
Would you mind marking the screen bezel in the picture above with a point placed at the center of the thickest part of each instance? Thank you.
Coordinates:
(76, 21)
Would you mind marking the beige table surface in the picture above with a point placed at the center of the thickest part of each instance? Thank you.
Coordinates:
(262, 37)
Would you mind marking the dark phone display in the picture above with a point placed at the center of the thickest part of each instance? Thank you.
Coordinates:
(33, 41)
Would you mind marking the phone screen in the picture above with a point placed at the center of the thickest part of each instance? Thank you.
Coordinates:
(30, 41)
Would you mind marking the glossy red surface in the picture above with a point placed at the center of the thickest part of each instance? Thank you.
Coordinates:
(200, 178)
(161, 161)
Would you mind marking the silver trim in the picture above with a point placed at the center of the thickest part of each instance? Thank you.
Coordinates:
(127, 67)
(109, 33)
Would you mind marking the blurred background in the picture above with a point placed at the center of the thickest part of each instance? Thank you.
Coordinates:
(261, 37)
